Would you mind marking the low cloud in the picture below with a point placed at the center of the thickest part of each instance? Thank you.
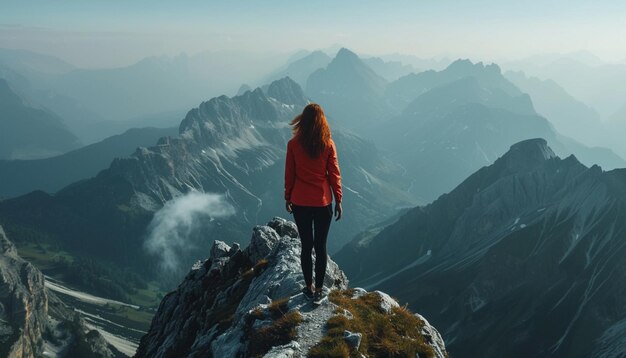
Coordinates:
(171, 229)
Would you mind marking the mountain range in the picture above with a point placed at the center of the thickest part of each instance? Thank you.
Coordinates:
(523, 258)
(460, 123)
(231, 146)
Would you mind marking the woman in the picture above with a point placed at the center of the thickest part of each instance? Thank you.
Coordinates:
(311, 171)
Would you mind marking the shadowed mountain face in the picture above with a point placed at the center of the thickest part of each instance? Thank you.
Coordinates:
(524, 258)
(233, 146)
(350, 92)
(28, 132)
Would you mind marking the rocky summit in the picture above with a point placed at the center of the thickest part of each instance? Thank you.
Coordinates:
(248, 302)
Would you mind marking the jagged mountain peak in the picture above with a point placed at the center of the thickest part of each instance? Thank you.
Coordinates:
(350, 91)
(243, 89)
(287, 91)
(346, 55)
(346, 60)
(528, 153)
(248, 302)
(224, 117)
(465, 65)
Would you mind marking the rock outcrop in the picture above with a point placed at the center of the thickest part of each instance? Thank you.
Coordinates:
(249, 303)
(33, 322)
(23, 304)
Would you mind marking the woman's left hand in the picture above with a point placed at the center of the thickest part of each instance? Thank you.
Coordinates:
(289, 206)
(338, 211)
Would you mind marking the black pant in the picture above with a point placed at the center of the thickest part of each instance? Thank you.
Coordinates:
(309, 218)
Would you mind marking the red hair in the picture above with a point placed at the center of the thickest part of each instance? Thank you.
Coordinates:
(312, 130)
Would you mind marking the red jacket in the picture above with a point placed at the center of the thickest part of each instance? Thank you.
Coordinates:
(308, 181)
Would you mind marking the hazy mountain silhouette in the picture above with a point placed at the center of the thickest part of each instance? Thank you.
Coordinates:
(350, 92)
(404, 90)
(436, 64)
(27, 131)
(602, 86)
(569, 116)
(32, 64)
(300, 68)
(457, 126)
(19, 177)
(521, 259)
(389, 70)
(152, 85)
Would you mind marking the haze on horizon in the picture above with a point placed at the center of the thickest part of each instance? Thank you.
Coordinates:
(101, 33)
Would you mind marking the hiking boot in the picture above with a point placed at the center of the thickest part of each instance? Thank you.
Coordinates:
(307, 293)
(318, 297)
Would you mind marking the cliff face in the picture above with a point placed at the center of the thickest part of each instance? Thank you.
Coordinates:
(248, 302)
(33, 322)
(23, 304)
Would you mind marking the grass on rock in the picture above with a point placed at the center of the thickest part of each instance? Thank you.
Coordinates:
(397, 334)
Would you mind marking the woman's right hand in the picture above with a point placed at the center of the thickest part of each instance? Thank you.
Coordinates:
(338, 211)
(289, 206)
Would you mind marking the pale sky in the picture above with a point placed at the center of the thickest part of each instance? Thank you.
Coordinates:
(98, 33)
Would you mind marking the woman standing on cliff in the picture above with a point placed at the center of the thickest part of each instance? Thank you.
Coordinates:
(311, 171)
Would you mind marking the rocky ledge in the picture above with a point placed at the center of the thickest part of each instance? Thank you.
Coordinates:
(248, 303)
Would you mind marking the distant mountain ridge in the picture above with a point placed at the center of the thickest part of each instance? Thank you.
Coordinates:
(569, 116)
(407, 88)
(18, 177)
(521, 259)
(28, 131)
(350, 91)
(465, 118)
